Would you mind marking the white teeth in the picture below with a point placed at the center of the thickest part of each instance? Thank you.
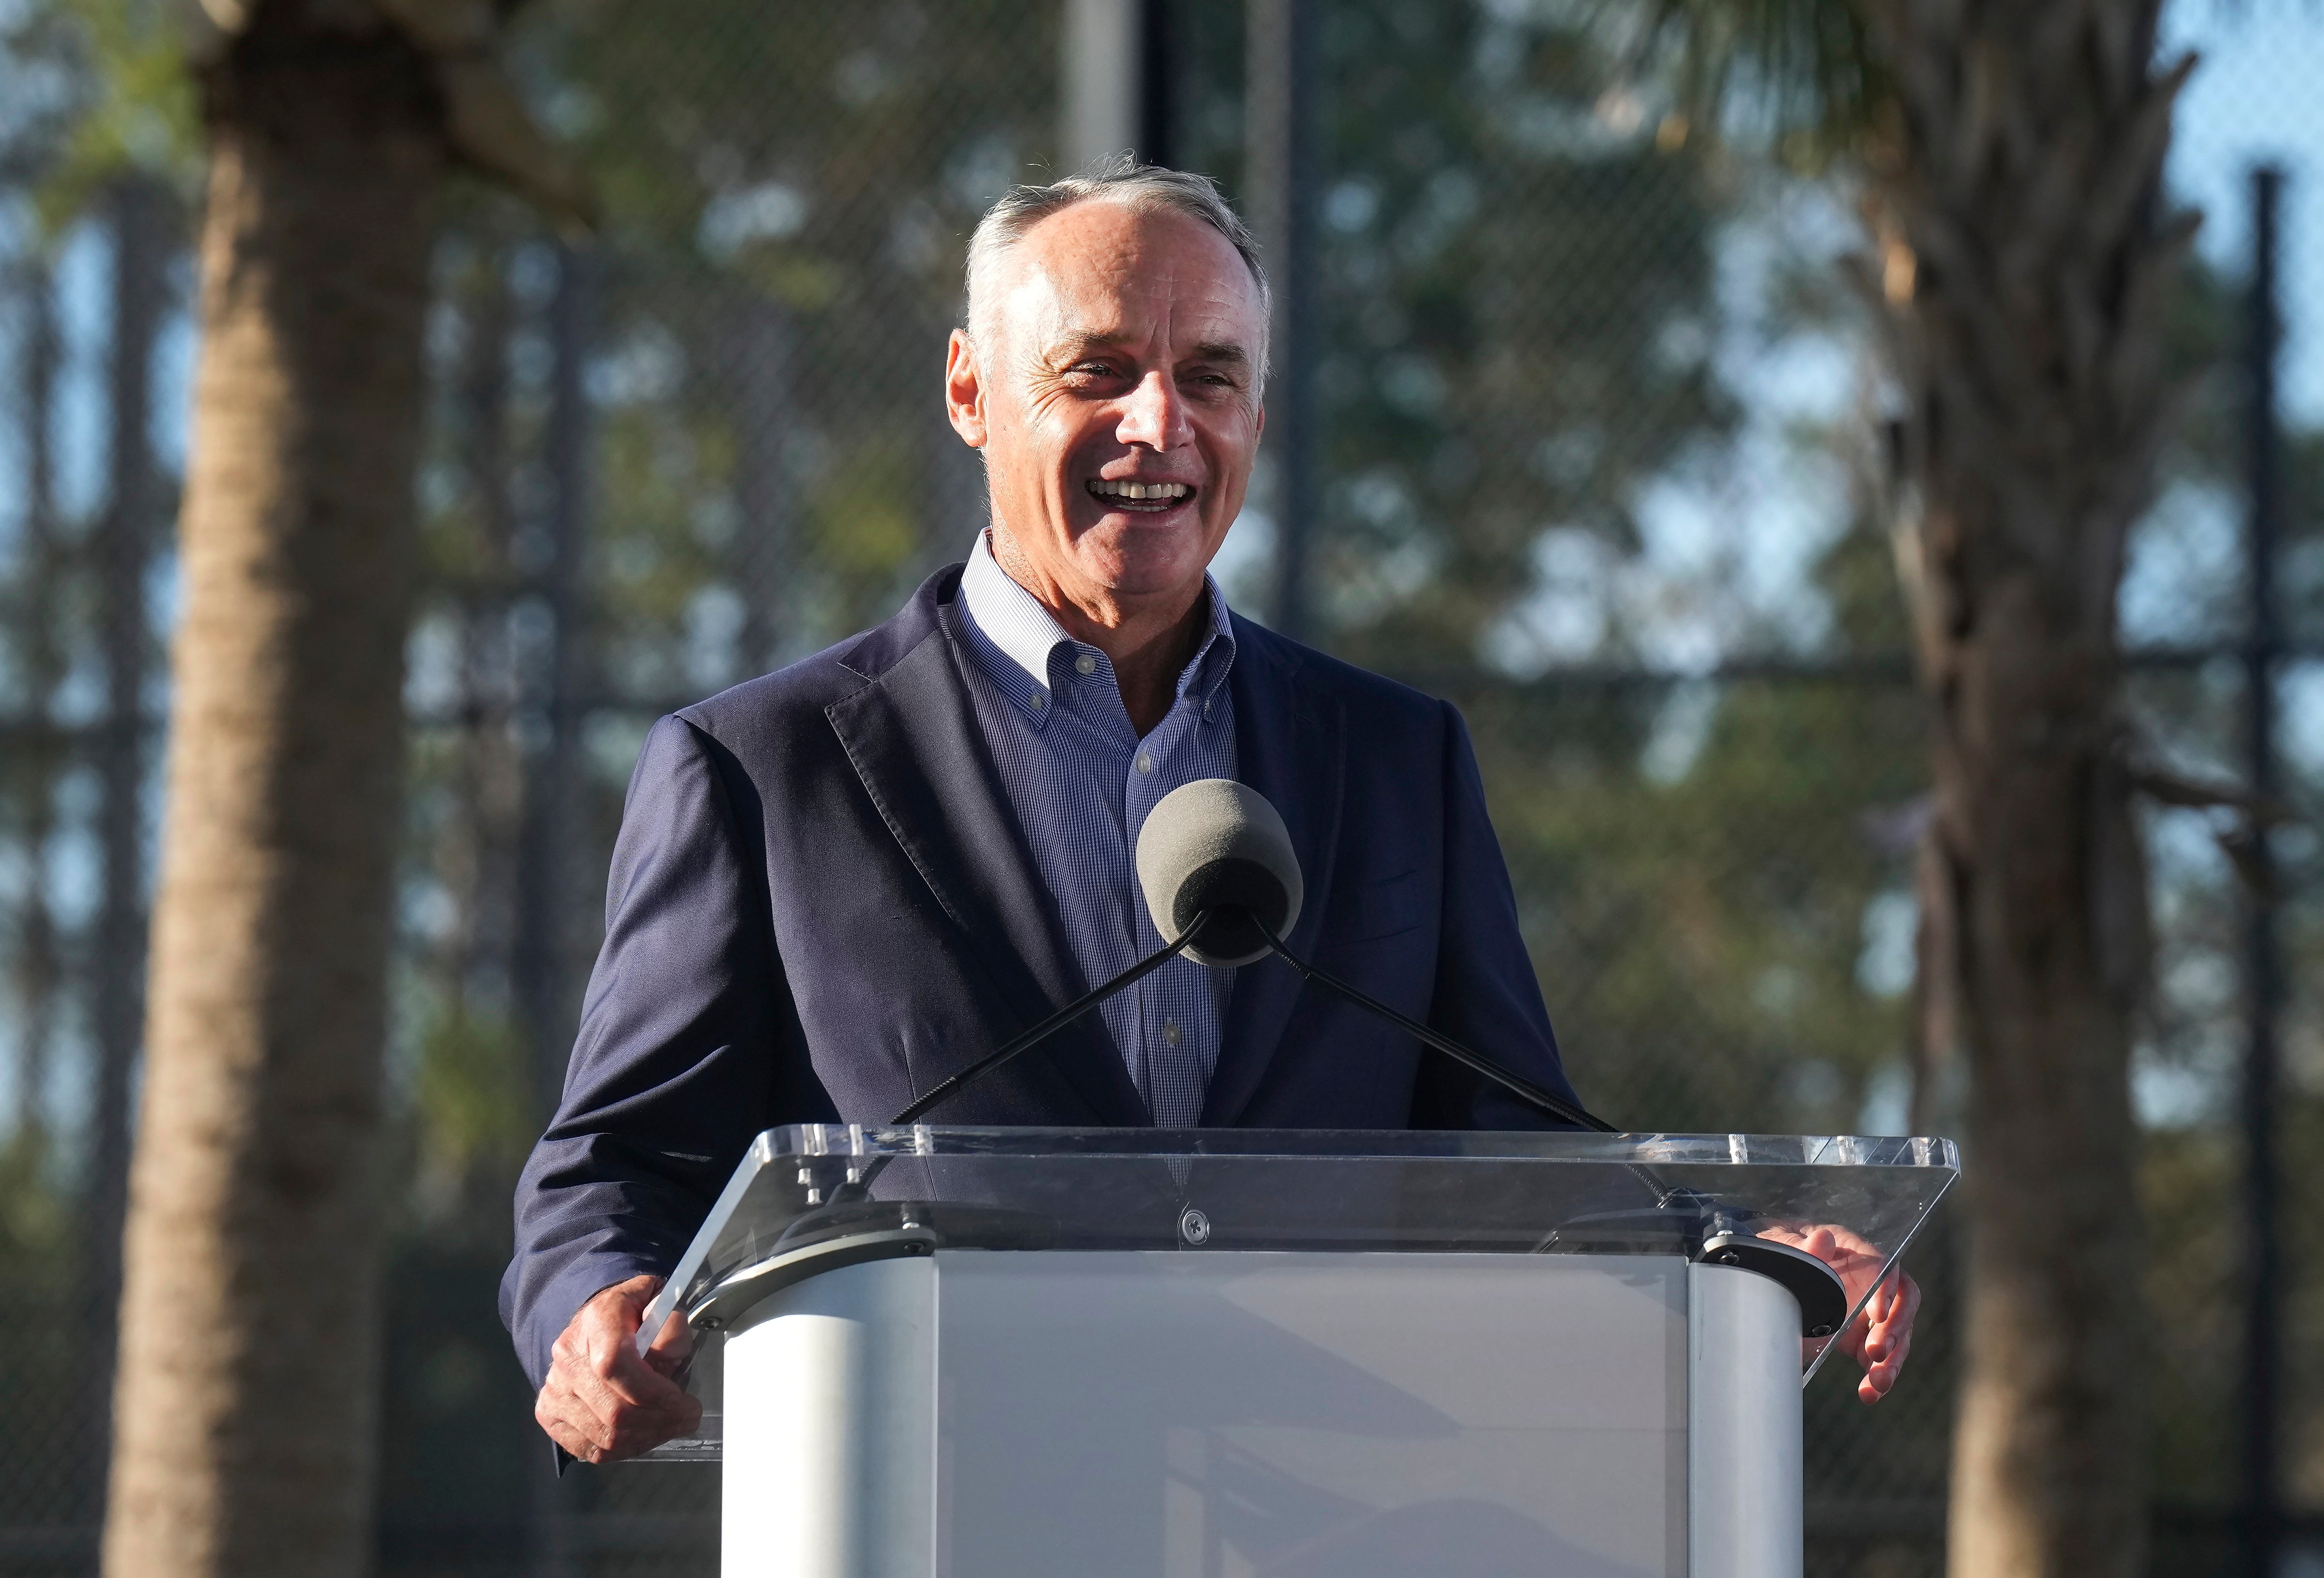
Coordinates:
(1112, 490)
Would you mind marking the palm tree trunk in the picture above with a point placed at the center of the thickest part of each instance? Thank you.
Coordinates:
(245, 1408)
(2027, 266)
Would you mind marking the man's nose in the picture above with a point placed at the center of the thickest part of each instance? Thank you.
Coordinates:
(1155, 415)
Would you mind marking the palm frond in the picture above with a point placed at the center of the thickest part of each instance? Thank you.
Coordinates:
(1805, 74)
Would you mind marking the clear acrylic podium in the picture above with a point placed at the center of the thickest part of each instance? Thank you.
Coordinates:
(1144, 1353)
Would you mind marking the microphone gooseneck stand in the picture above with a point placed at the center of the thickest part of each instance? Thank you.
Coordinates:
(1516, 1085)
(858, 1186)
(1716, 1232)
(1056, 1022)
(1715, 1227)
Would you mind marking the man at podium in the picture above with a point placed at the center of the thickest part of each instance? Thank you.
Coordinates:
(838, 886)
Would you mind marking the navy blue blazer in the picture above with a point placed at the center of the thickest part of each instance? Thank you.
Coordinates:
(821, 904)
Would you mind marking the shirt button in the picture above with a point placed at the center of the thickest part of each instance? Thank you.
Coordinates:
(1171, 1032)
(1145, 762)
(1040, 701)
(1086, 664)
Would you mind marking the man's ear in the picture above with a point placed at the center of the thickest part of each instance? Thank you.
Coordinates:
(964, 390)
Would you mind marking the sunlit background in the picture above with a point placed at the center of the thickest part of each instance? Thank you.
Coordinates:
(1603, 456)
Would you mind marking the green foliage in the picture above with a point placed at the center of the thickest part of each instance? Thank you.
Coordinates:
(470, 1096)
(136, 111)
(34, 1219)
(862, 518)
(2187, 1181)
(42, 1378)
(791, 206)
(1517, 309)
(1701, 939)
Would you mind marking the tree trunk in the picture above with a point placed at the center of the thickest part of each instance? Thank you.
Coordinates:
(2027, 264)
(244, 1409)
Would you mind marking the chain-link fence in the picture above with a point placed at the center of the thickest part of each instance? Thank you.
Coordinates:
(1599, 453)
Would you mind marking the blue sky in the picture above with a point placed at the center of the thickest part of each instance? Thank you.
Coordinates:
(2258, 95)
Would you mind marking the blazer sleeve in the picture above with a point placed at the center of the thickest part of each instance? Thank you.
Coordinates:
(676, 1063)
(1486, 996)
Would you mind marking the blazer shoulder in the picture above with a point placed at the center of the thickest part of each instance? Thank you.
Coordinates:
(778, 705)
(1373, 701)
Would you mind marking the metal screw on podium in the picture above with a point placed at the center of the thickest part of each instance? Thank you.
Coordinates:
(1194, 1228)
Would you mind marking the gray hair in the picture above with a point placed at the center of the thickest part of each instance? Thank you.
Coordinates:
(1120, 180)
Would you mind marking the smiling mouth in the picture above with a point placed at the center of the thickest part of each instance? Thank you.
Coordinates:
(1140, 498)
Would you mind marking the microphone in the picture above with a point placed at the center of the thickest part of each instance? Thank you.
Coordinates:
(1219, 848)
(1217, 867)
(1221, 876)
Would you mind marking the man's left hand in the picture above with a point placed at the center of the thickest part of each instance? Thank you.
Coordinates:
(1879, 1338)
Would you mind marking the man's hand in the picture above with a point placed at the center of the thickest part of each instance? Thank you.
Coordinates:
(602, 1402)
(1879, 1338)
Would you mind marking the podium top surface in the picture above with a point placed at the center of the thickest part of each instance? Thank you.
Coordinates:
(1852, 1201)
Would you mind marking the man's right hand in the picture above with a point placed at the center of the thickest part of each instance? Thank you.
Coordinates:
(603, 1401)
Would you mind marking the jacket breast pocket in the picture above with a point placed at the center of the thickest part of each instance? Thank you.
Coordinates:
(1374, 910)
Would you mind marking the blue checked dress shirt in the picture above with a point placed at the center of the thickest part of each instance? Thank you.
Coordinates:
(1081, 782)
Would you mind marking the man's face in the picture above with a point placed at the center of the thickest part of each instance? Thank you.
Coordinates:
(1116, 398)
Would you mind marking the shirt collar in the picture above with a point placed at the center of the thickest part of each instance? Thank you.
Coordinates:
(1017, 627)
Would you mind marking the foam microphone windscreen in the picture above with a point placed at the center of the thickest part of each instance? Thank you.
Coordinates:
(1218, 845)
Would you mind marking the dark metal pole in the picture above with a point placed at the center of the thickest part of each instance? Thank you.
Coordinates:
(37, 637)
(555, 691)
(124, 545)
(2263, 964)
(1281, 94)
(1157, 83)
(551, 797)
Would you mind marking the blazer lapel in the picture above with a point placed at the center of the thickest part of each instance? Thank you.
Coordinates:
(1290, 746)
(914, 740)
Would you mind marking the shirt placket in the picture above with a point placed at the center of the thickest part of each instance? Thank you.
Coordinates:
(1107, 736)
(1162, 1016)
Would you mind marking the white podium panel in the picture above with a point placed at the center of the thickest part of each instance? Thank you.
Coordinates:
(975, 1414)
(933, 1352)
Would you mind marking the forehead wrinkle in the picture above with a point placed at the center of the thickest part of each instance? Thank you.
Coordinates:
(1060, 279)
(1168, 319)
(1125, 266)
(1072, 341)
